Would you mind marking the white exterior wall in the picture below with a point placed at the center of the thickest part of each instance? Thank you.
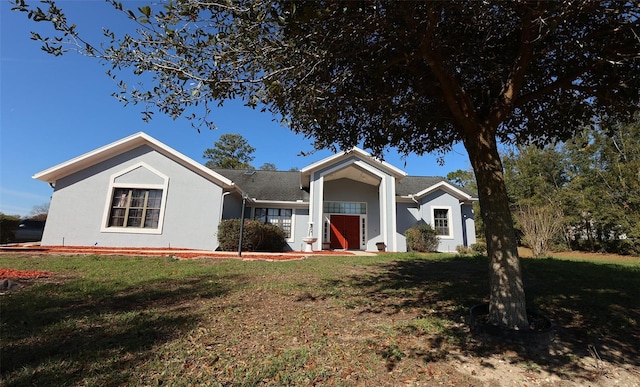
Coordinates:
(77, 211)
(441, 199)
(300, 229)
(407, 215)
(468, 220)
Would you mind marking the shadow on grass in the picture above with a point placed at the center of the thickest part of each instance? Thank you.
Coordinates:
(79, 331)
(593, 304)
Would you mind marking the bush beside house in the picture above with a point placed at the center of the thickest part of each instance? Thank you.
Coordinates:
(422, 238)
(256, 236)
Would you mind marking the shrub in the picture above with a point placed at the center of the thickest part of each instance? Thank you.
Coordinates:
(479, 248)
(273, 238)
(463, 250)
(422, 238)
(257, 236)
(624, 247)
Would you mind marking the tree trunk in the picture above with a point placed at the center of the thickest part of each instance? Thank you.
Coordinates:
(507, 307)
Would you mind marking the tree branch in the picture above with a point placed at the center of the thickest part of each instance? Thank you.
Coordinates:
(461, 106)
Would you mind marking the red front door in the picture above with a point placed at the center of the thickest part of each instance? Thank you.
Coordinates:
(345, 232)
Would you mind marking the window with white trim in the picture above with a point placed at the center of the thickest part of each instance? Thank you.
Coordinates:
(280, 217)
(136, 200)
(133, 207)
(441, 221)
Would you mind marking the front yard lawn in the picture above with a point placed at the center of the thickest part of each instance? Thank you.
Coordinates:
(391, 319)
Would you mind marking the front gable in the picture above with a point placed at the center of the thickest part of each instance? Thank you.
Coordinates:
(354, 164)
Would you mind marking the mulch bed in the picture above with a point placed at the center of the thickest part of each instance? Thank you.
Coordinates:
(22, 274)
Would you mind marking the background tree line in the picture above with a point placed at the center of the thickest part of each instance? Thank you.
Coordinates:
(583, 194)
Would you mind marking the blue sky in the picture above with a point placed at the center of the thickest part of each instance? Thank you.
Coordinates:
(55, 108)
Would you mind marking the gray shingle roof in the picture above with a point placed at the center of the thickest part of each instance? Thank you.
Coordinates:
(267, 185)
(414, 184)
(285, 185)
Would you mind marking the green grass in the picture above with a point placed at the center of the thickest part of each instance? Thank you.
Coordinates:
(325, 320)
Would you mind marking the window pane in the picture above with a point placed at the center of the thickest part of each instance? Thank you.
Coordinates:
(120, 198)
(260, 215)
(137, 198)
(117, 217)
(155, 198)
(273, 215)
(152, 218)
(135, 218)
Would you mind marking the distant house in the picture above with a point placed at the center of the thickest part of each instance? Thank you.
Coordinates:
(138, 192)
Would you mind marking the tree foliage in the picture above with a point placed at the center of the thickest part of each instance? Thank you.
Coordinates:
(464, 179)
(591, 183)
(231, 151)
(268, 167)
(604, 187)
(39, 212)
(417, 76)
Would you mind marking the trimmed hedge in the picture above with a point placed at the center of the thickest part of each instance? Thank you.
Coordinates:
(422, 238)
(257, 236)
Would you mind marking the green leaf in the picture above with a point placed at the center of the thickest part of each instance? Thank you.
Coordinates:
(146, 10)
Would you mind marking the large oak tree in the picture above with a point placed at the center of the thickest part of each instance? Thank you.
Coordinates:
(418, 76)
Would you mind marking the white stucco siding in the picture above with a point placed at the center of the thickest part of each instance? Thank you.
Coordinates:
(301, 228)
(407, 215)
(442, 200)
(191, 208)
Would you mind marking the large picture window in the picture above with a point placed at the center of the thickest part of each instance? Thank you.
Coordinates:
(280, 217)
(137, 208)
(441, 221)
